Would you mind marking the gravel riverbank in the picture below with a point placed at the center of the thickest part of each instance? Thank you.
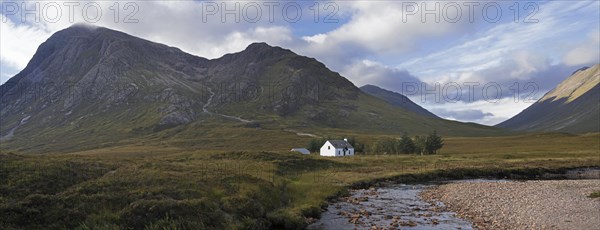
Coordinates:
(546, 204)
(395, 206)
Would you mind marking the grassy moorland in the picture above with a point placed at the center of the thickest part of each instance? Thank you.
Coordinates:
(160, 186)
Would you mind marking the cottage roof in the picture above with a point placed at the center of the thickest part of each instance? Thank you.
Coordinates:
(340, 144)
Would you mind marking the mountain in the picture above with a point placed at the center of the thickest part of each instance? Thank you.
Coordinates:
(86, 83)
(396, 99)
(90, 87)
(573, 106)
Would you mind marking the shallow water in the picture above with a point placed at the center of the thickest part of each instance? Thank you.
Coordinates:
(400, 207)
(395, 207)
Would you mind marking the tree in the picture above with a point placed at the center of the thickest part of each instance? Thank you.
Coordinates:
(358, 147)
(406, 145)
(378, 147)
(420, 144)
(385, 146)
(313, 145)
(434, 143)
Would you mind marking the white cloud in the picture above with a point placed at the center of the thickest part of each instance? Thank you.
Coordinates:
(381, 28)
(505, 43)
(481, 112)
(370, 72)
(18, 43)
(4, 77)
(237, 41)
(318, 38)
(586, 53)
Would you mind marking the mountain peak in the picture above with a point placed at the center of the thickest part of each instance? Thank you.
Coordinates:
(258, 51)
(259, 45)
(580, 69)
(580, 82)
(396, 99)
(78, 29)
(88, 32)
(262, 47)
(369, 86)
(81, 25)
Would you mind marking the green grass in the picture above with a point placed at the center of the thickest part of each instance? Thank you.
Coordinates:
(595, 194)
(178, 185)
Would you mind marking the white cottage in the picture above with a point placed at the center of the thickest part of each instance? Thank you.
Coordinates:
(337, 148)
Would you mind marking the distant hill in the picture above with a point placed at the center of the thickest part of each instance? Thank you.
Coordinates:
(396, 99)
(88, 87)
(573, 106)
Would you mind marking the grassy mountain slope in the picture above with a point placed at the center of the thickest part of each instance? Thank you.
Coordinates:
(86, 86)
(573, 106)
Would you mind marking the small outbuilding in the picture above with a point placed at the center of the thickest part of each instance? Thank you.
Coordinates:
(337, 148)
(300, 150)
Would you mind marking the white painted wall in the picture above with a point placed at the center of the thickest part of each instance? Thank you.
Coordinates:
(329, 151)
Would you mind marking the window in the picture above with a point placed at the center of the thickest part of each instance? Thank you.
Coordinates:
(328, 147)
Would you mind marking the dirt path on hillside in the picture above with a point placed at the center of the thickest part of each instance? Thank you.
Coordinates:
(209, 101)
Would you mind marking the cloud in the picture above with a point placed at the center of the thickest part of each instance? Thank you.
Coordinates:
(587, 53)
(318, 38)
(501, 43)
(238, 40)
(370, 72)
(203, 34)
(515, 56)
(378, 31)
(4, 77)
(462, 115)
(522, 75)
(385, 28)
(511, 55)
(19, 42)
(482, 112)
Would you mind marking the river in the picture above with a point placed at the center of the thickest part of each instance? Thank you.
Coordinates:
(394, 206)
(399, 206)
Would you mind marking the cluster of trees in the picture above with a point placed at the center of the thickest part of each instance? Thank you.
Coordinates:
(429, 144)
(316, 143)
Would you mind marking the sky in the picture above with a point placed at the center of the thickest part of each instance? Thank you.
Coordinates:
(472, 61)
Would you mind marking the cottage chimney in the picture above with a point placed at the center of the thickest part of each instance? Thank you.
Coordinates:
(346, 139)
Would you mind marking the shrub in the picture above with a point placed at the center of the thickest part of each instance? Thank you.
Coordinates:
(312, 211)
(196, 212)
(282, 219)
